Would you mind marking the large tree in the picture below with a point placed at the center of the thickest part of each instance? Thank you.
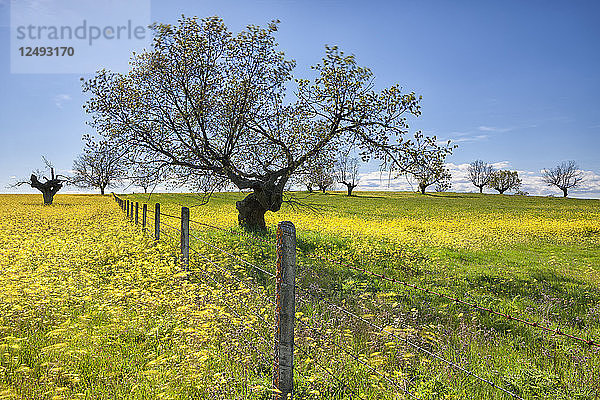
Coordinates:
(347, 171)
(50, 186)
(564, 176)
(101, 165)
(480, 174)
(504, 180)
(424, 161)
(210, 108)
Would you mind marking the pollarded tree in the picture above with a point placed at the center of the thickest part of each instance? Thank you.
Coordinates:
(207, 107)
(424, 160)
(564, 176)
(504, 180)
(101, 165)
(347, 171)
(49, 187)
(480, 173)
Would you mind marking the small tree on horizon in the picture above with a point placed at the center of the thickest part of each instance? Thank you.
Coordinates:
(480, 174)
(564, 176)
(347, 172)
(503, 180)
(100, 166)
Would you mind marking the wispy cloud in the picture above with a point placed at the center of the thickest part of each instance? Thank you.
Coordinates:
(476, 138)
(60, 99)
(485, 128)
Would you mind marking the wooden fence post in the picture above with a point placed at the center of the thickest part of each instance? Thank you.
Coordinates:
(144, 216)
(285, 313)
(157, 221)
(185, 237)
(137, 212)
(127, 202)
(131, 212)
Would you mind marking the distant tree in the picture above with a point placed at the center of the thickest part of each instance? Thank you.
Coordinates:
(212, 108)
(504, 180)
(50, 187)
(480, 174)
(320, 173)
(425, 162)
(346, 171)
(100, 166)
(564, 176)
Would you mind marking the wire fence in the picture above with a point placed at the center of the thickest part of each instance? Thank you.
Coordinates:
(280, 295)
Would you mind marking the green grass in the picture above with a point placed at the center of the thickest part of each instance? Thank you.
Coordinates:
(537, 258)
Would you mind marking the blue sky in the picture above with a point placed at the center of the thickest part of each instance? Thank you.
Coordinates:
(511, 82)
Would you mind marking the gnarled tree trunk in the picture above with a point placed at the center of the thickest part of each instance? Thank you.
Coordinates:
(564, 192)
(252, 209)
(422, 188)
(48, 188)
(350, 188)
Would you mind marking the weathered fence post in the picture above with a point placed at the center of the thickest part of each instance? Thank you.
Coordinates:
(127, 202)
(131, 212)
(185, 237)
(285, 296)
(144, 216)
(157, 221)
(137, 212)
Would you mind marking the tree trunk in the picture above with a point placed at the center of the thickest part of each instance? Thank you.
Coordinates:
(252, 209)
(564, 192)
(48, 188)
(480, 189)
(102, 190)
(323, 189)
(501, 191)
(422, 188)
(350, 189)
(48, 197)
(310, 189)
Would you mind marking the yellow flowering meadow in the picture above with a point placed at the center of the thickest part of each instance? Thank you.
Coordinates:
(91, 308)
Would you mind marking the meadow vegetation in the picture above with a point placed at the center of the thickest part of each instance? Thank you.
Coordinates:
(92, 308)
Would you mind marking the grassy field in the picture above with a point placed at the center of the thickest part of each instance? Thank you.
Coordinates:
(91, 308)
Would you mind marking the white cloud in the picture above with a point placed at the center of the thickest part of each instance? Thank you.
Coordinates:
(484, 128)
(476, 138)
(60, 99)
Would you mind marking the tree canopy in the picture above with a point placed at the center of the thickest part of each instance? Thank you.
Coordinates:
(101, 165)
(564, 176)
(480, 174)
(503, 180)
(211, 108)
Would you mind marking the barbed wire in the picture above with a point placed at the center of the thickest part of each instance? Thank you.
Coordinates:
(557, 331)
(232, 231)
(344, 385)
(272, 275)
(232, 274)
(408, 342)
(357, 359)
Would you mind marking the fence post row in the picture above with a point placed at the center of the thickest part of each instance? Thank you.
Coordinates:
(127, 205)
(137, 209)
(144, 216)
(185, 237)
(157, 221)
(285, 296)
